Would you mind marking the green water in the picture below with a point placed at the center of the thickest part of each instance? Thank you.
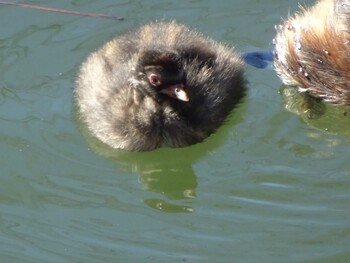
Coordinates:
(270, 186)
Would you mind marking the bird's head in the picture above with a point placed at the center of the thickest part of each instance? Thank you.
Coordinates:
(163, 71)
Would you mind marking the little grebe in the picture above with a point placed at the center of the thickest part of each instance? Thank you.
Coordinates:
(159, 86)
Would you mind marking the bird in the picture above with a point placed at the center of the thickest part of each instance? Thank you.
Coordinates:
(160, 85)
(312, 51)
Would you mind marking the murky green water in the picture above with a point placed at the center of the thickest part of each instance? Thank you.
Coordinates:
(271, 186)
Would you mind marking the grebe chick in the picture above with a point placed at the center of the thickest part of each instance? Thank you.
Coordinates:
(159, 86)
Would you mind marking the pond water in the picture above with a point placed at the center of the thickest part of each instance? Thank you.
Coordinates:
(270, 186)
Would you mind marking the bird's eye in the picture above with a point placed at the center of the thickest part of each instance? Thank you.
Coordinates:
(154, 79)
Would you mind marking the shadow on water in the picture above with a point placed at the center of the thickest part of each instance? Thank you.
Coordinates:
(168, 171)
(334, 119)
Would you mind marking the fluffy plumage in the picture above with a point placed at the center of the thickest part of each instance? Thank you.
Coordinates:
(312, 51)
(159, 86)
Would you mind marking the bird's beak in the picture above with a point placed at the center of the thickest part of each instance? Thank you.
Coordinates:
(176, 91)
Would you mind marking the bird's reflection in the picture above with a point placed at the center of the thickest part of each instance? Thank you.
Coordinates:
(316, 113)
(169, 172)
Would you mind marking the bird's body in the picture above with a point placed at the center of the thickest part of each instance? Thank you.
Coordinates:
(159, 86)
(312, 51)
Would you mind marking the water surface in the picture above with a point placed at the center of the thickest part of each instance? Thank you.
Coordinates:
(270, 186)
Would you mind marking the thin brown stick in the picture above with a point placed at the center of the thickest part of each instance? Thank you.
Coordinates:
(62, 11)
